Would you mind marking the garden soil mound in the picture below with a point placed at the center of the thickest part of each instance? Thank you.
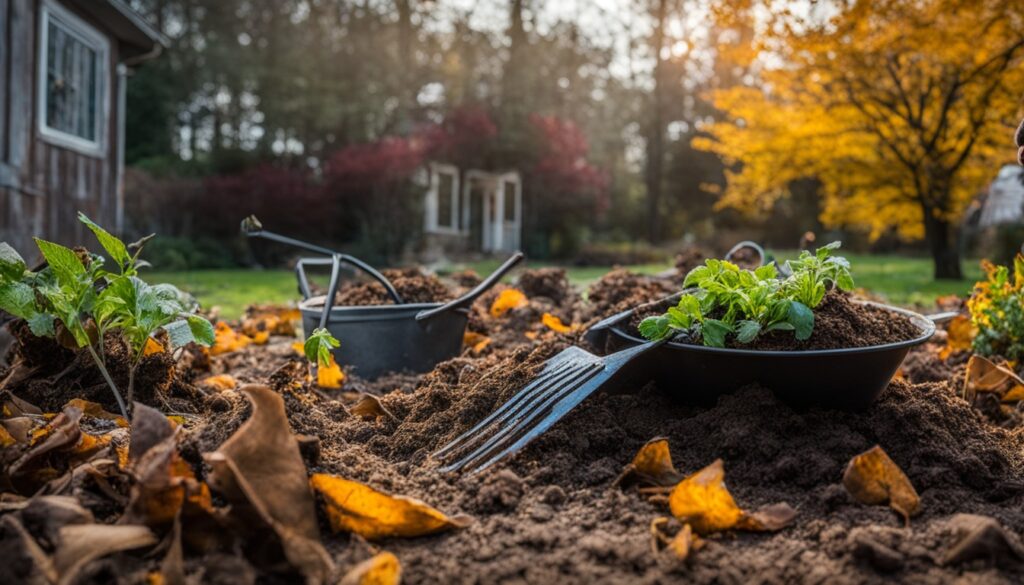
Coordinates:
(551, 514)
(410, 283)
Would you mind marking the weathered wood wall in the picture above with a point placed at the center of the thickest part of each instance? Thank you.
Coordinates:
(43, 186)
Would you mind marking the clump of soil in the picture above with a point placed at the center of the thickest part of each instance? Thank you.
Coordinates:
(621, 289)
(410, 283)
(839, 322)
(551, 283)
(689, 258)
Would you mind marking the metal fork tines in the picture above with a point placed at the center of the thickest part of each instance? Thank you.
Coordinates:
(526, 415)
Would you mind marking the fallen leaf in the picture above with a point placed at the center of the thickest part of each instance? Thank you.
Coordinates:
(299, 348)
(531, 335)
(227, 340)
(261, 337)
(652, 465)
(259, 469)
(81, 544)
(330, 376)
(270, 320)
(6, 438)
(355, 507)
(960, 334)
(219, 382)
(39, 566)
(984, 375)
(369, 407)
(152, 346)
(381, 569)
(95, 410)
(149, 428)
(554, 323)
(476, 341)
(873, 478)
(507, 300)
(703, 501)
(680, 545)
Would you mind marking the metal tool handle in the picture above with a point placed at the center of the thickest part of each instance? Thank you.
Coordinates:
(468, 298)
(747, 244)
(336, 257)
(945, 317)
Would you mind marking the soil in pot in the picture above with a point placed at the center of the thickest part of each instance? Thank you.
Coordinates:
(839, 323)
(412, 285)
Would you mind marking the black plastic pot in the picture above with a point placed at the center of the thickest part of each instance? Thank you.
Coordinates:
(846, 379)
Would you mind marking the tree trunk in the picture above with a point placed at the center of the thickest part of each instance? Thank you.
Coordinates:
(943, 240)
(656, 133)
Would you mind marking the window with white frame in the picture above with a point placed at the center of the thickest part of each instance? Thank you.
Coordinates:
(73, 80)
(443, 209)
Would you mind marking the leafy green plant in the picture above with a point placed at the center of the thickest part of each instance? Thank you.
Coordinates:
(75, 300)
(727, 300)
(997, 311)
(319, 345)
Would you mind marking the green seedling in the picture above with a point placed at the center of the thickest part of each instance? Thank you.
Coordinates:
(319, 345)
(727, 300)
(77, 301)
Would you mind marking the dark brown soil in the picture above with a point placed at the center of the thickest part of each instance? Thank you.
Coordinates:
(551, 514)
(551, 283)
(689, 258)
(839, 322)
(411, 284)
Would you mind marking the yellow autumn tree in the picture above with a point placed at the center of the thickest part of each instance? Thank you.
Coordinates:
(902, 110)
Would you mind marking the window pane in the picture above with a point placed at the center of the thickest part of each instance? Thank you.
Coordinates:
(445, 183)
(510, 201)
(72, 83)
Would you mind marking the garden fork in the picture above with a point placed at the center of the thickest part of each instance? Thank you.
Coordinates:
(566, 380)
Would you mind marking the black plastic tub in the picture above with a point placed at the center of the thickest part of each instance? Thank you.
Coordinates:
(388, 338)
(846, 379)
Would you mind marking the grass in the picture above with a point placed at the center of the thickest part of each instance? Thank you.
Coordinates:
(902, 280)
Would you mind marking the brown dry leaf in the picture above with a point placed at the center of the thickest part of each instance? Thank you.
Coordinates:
(652, 465)
(219, 382)
(227, 340)
(555, 324)
(381, 569)
(355, 507)
(95, 410)
(260, 471)
(477, 341)
(369, 407)
(80, 544)
(873, 478)
(507, 300)
(960, 334)
(330, 376)
(984, 375)
(703, 501)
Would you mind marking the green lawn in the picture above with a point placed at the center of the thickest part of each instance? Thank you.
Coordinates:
(902, 280)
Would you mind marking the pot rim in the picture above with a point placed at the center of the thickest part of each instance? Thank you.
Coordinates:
(406, 311)
(926, 326)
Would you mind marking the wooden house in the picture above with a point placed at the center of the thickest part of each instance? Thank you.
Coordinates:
(63, 72)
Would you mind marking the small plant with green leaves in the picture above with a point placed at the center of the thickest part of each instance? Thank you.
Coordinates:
(726, 300)
(75, 300)
(319, 345)
(997, 311)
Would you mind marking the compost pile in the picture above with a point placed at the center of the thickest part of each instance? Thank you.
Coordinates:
(217, 491)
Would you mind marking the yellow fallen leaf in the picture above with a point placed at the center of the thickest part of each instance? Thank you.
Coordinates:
(330, 376)
(299, 348)
(152, 346)
(984, 375)
(227, 340)
(6, 438)
(261, 337)
(554, 323)
(477, 341)
(507, 300)
(873, 478)
(219, 382)
(381, 569)
(355, 507)
(703, 501)
(960, 334)
(96, 410)
(652, 465)
(681, 545)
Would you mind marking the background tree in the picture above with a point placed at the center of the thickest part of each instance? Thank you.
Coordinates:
(902, 111)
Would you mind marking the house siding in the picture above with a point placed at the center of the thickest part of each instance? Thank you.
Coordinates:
(43, 185)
